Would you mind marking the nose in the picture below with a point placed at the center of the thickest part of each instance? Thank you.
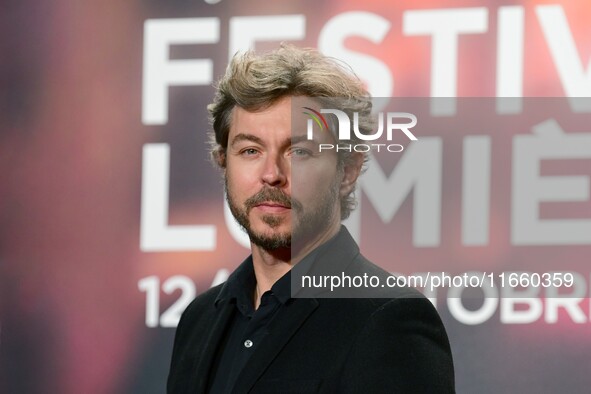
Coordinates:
(275, 171)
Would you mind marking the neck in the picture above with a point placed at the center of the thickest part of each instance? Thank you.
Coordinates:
(270, 265)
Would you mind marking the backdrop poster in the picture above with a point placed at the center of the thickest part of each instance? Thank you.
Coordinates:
(112, 218)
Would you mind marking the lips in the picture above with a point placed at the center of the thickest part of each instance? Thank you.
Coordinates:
(272, 207)
(272, 204)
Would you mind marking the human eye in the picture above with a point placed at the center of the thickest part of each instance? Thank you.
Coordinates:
(300, 152)
(249, 152)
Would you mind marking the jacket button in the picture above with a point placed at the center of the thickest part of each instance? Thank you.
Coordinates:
(248, 343)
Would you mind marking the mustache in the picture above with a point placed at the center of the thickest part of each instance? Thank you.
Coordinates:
(272, 195)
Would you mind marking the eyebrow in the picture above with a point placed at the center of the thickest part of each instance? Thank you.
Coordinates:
(298, 139)
(249, 137)
(246, 137)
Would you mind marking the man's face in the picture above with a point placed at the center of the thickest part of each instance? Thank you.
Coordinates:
(263, 159)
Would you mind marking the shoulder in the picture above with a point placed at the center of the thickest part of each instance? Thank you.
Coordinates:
(207, 297)
(403, 339)
(201, 303)
(401, 307)
(406, 348)
(363, 279)
(197, 315)
(400, 335)
(194, 322)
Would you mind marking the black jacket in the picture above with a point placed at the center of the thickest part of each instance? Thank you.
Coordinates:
(392, 343)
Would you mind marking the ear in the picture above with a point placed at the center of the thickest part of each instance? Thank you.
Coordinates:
(219, 157)
(351, 172)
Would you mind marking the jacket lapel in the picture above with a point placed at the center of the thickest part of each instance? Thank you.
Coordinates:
(282, 328)
(206, 354)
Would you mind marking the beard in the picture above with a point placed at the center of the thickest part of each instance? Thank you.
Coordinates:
(306, 223)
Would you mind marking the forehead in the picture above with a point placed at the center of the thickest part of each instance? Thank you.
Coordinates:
(284, 119)
(276, 117)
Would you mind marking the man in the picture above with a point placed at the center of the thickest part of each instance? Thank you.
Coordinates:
(257, 333)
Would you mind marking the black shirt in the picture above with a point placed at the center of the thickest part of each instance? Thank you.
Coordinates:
(248, 327)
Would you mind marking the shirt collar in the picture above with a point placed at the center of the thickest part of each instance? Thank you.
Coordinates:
(241, 283)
